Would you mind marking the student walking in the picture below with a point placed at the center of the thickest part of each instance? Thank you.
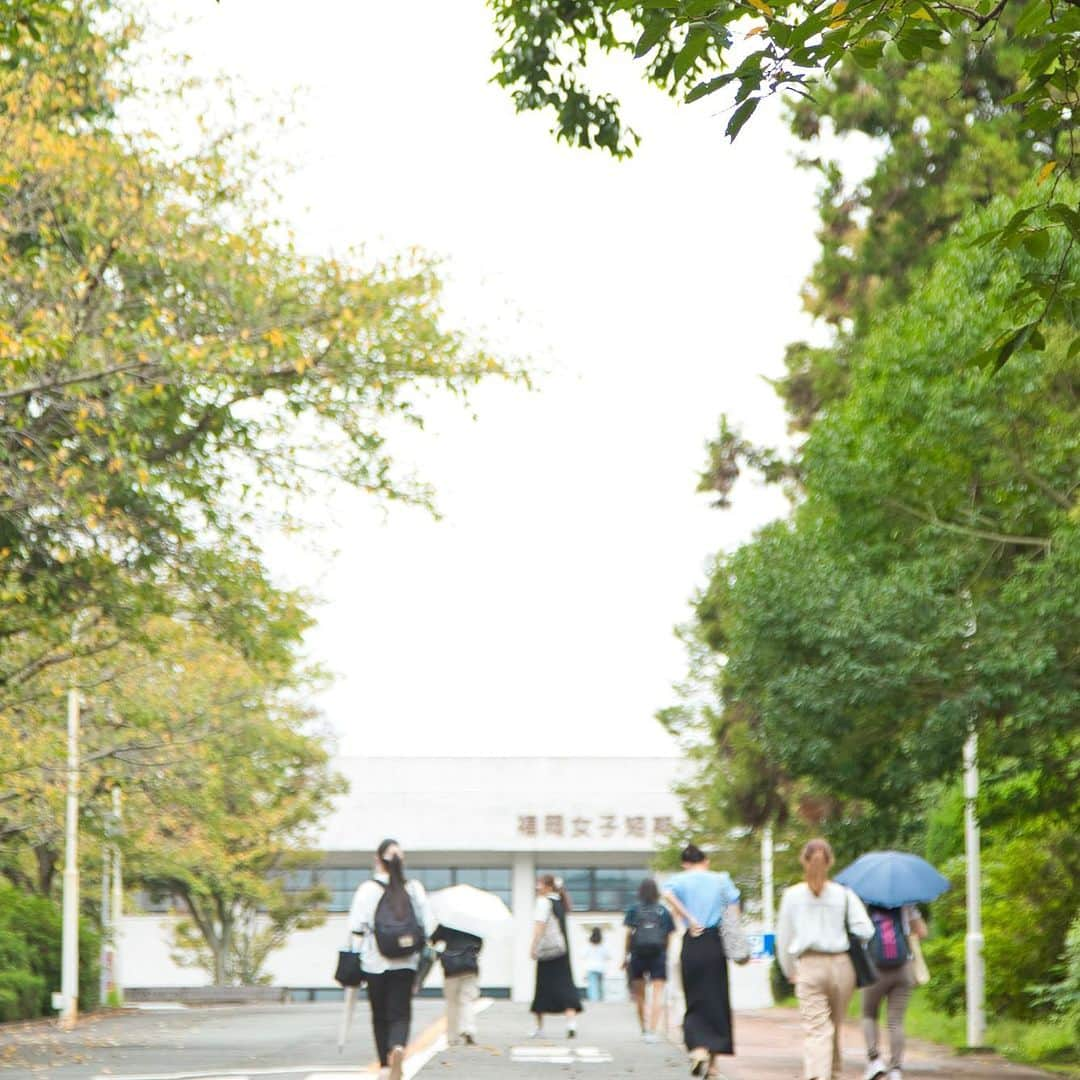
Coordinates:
(555, 989)
(702, 899)
(597, 960)
(812, 949)
(649, 927)
(393, 918)
(894, 928)
(461, 982)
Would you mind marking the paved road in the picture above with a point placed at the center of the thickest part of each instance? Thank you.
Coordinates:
(298, 1042)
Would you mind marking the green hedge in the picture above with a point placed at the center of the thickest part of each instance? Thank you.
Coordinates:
(30, 956)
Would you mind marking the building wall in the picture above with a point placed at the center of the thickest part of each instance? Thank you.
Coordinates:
(521, 813)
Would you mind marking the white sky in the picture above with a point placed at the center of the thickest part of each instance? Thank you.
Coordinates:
(652, 295)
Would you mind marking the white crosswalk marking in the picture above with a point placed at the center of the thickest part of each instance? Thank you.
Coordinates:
(559, 1055)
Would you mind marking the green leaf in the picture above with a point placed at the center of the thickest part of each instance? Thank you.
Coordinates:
(740, 116)
(657, 28)
(1037, 243)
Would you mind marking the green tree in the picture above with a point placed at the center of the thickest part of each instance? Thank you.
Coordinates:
(989, 68)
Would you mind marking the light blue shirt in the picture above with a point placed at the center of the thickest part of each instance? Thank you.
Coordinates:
(704, 893)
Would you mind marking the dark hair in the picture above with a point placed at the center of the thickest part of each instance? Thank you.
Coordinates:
(818, 846)
(596, 936)
(553, 884)
(692, 854)
(396, 892)
(649, 892)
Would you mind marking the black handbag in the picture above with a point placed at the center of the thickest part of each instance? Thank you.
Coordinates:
(866, 974)
(349, 972)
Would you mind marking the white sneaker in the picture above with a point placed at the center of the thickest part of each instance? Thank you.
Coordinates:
(875, 1069)
(651, 1037)
(895, 1074)
(536, 1033)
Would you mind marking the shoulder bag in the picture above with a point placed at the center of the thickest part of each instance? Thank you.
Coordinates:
(552, 943)
(349, 972)
(736, 943)
(865, 972)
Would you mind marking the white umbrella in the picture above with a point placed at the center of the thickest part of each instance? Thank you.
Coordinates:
(471, 910)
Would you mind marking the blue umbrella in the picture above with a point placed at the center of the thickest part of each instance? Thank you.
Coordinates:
(892, 878)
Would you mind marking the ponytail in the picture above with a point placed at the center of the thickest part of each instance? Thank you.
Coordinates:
(555, 885)
(396, 892)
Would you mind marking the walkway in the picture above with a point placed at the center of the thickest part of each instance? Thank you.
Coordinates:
(298, 1042)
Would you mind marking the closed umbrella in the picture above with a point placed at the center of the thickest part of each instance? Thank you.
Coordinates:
(471, 910)
(891, 879)
(351, 994)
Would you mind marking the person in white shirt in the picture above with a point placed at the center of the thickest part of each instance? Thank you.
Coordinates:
(812, 950)
(597, 961)
(390, 978)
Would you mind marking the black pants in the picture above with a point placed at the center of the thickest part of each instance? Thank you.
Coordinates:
(705, 986)
(390, 995)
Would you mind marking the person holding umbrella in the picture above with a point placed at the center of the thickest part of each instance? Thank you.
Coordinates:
(466, 916)
(891, 883)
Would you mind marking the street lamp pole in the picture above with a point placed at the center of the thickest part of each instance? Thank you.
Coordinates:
(69, 980)
(975, 968)
(768, 896)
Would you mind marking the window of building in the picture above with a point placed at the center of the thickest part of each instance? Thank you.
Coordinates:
(601, 888)
(341, 882)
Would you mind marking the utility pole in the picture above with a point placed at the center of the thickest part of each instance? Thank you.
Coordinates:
(973, 952)
(69, 981)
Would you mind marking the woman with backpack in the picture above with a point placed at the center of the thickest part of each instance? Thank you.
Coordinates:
(555, 989)
(703, 899)
(394, 919)
(812, 946)
(649, 927)
(892, 954)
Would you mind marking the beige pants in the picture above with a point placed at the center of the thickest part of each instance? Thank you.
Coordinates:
(824, 985)
(461, 993)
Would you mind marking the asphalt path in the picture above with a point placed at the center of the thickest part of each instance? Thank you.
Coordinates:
(299, 1042)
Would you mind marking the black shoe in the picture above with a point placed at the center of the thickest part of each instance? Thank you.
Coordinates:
(468, 1040)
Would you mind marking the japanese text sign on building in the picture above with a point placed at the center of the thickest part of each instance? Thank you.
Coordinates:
(603, 826)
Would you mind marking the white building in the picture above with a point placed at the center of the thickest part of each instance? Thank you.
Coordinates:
(493, 822)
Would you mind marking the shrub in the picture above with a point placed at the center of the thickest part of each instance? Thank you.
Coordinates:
(35, 922)
(20, 994)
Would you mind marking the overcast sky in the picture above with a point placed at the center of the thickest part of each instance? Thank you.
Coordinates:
(650, 295)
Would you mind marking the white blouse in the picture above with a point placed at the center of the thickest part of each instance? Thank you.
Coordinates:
(809, 923)
(362, 919)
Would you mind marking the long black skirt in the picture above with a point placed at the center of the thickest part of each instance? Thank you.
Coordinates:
(705, 984)
(555, 989)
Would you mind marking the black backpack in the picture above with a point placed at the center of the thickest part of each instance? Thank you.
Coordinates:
(397, 936)
(649, 934)
(889, 945)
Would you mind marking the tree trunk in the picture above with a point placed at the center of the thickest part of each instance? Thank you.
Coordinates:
(47, 860)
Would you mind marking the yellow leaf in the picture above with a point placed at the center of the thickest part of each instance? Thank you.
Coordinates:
(757, 30)
(275, 337)
(762, 7)
(838, 8)
(115, 465)
(144, 477)
(922, 13)
(1045, 172)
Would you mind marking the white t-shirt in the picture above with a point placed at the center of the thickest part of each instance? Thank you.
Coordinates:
(362, 919)
(543, 908)
(597, 957)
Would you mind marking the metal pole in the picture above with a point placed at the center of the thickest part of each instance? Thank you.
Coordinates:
(975, 970)
(105, 975)
(768, 897)
(117, 905)
(69, 981)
